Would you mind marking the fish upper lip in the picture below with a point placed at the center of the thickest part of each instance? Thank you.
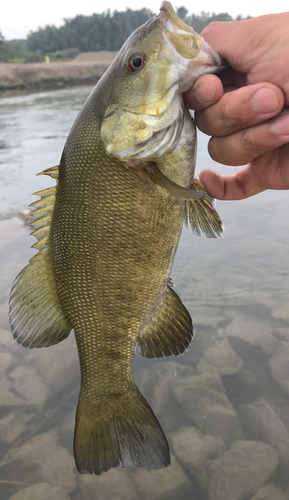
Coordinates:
(219, 60)
(171, 21)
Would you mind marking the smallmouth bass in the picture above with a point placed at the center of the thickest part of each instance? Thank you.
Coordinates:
(107, 236)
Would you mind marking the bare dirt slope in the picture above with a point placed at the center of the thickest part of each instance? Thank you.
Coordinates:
(86, 68)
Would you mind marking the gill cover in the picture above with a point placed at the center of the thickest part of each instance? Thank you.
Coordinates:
(159, 61)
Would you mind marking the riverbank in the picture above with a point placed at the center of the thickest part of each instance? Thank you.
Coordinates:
(85, 69)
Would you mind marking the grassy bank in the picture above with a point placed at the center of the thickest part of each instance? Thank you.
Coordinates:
(85, 69)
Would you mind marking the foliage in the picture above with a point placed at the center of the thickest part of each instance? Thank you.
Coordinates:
(89, 33)
(11, 50)
(63, 55)
(106, 31)
(33, 57)
(201, 21)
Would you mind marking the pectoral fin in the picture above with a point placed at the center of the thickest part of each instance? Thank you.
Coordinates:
(171, 331)
(201, 216)
(178, 191)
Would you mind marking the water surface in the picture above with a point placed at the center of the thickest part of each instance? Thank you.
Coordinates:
(223, 405)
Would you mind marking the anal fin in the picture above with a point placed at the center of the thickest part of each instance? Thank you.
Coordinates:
(170, 332)
(201, 215)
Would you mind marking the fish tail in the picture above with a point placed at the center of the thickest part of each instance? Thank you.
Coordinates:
(124, 432)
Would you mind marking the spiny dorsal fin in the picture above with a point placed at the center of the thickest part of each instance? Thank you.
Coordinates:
(52, 172)
(201, 217)
(36, 317)
(170, 332)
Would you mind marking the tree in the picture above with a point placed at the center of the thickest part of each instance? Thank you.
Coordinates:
(182, 13)
(106, 31)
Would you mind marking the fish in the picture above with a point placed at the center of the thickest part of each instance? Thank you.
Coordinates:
(107, 235)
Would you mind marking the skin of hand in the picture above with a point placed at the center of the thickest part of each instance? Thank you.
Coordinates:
(246, 110)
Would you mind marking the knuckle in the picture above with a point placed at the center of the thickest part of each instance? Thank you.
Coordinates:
(256, 138)
(248, 139)
(228, 114)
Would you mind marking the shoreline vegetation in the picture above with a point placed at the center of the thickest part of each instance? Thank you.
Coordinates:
(79, 51)
(85, 69)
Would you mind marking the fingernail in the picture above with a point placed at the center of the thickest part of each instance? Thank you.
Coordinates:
(265, 101)
(281, 124)
(205, 94)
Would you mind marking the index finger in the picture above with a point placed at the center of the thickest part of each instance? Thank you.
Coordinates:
(241, 109)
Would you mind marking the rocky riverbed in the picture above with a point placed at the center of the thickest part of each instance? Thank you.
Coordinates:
(224, 405)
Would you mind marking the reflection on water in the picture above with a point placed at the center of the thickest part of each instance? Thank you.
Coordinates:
(223, 405)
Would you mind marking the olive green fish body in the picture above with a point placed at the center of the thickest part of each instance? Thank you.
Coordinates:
(107, 237)
(106, 232)
(114, 238)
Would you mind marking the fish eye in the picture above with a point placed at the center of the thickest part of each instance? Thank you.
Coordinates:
(136, 61)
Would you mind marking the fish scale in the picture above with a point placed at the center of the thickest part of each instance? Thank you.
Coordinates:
(107, 236)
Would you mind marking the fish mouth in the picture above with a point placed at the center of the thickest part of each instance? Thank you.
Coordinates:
(190, 51)
(194, 53)
(149, 128)
(169, 20)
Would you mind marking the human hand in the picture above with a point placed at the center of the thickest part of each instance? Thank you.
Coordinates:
(245, 120)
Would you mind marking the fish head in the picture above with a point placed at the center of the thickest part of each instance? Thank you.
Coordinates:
(158, 62)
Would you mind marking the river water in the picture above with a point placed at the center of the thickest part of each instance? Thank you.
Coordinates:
(224, 405)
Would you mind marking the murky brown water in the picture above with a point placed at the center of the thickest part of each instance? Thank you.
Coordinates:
(224, 405)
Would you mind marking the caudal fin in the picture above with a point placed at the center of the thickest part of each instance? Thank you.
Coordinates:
(127, 433)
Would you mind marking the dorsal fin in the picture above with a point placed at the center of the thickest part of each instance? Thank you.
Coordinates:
(36, 316)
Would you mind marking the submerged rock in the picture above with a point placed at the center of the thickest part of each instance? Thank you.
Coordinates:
(156, 384)
(50, 462)
(220, 356)
(205, 402)
(279, 365)
(40, 490)
(13, 425)
(267, 426)
(253, 332)
(5, 335)
(116, 484)
(157, 381)
(282, 333)
(23, 386)
(270, 492)
(242, 470)
(281, 312)
(7, 362)
(195, 451)
(58, 366)
(170, 482)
